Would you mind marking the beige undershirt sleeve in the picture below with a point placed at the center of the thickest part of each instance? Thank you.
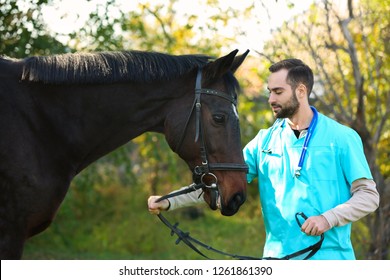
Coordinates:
(186, 200)
(364, 200)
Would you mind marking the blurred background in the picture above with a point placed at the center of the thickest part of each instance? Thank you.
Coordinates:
(104, 215)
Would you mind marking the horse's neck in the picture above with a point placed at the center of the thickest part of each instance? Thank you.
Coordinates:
(10, 67)
(98, 119)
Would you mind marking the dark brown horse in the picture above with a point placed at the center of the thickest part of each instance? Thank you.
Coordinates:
(60, 113)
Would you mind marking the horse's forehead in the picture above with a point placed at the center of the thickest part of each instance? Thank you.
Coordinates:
(230, 90)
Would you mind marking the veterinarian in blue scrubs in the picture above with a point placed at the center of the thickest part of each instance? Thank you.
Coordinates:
(305, 163)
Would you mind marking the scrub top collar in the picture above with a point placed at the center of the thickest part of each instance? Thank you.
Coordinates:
(281, 123)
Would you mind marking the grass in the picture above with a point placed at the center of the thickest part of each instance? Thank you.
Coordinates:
(118, 226)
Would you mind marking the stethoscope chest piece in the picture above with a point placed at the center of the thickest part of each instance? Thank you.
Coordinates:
(297, 172)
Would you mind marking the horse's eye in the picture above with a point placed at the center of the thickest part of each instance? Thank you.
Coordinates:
(219, 118)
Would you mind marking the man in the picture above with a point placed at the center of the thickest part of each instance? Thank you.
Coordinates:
(305, 163)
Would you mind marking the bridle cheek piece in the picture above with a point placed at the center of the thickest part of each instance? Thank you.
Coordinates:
(203, 171)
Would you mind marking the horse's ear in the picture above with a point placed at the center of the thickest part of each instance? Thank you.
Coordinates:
(238, 61)
(217, 68)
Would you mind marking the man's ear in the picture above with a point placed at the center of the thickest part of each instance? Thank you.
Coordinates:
(301, 91)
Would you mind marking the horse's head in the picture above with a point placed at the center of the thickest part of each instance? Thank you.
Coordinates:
(204, 130)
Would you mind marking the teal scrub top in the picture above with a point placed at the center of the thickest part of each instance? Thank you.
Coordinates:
(333, 160)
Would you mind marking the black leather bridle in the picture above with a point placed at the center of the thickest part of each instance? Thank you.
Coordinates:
(206, 168)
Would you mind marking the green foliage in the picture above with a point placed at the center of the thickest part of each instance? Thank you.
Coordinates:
(152, 25)
(22, 31)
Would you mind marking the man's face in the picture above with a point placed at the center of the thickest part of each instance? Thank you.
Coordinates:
(282, 99)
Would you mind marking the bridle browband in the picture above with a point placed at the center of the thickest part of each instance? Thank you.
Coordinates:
(206, 167)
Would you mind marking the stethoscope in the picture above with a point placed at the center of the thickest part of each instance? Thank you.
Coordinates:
(308, 135)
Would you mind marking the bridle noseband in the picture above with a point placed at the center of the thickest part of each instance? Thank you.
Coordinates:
(206, 168)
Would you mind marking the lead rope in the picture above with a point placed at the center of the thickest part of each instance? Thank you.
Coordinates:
(189, 240)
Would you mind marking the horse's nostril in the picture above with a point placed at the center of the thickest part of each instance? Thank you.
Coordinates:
(239, 199)
(234, 204)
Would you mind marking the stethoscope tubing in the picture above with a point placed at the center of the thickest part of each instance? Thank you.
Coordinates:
(308, 136)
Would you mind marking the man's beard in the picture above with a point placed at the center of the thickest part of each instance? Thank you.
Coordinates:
(288, 110)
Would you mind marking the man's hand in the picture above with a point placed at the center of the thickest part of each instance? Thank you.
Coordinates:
(156, 207)
(315, 225)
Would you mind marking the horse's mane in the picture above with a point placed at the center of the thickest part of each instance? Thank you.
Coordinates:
(109, 67)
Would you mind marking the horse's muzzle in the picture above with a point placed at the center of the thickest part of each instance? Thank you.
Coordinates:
(233, 205)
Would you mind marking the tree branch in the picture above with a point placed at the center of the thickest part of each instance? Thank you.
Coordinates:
(162, 23)
(333, 46)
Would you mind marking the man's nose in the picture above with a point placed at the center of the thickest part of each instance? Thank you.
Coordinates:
(271, 98)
